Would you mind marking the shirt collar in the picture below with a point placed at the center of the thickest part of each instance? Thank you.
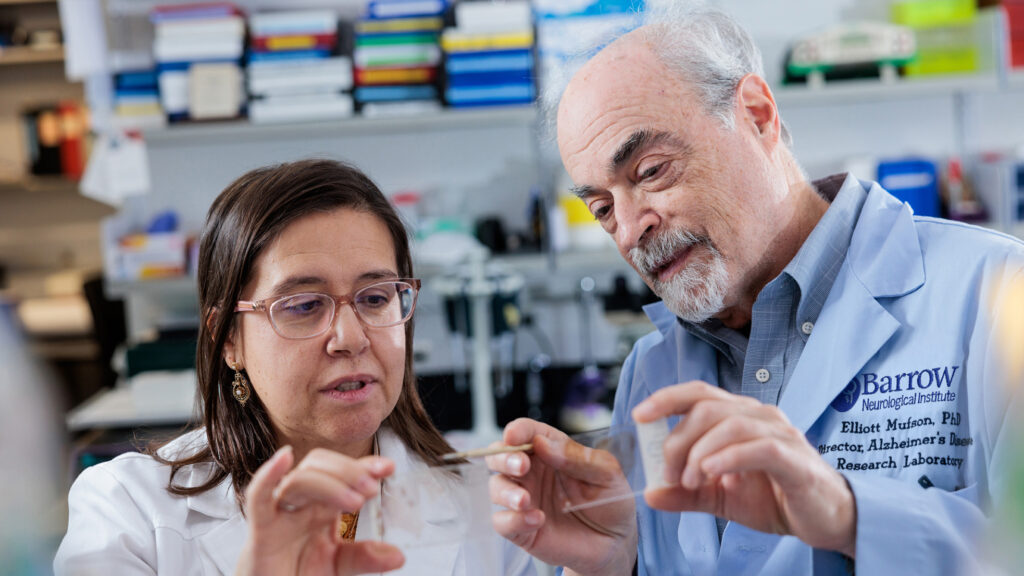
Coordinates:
(817, 263)
(815, 266)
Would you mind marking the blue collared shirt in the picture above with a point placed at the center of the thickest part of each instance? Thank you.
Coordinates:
(786, 309)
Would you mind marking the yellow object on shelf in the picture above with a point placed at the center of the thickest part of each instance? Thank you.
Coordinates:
(945, 50)
(576, 212)
(926, 13)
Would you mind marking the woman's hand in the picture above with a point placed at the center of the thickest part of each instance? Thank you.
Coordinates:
(293, 516)
(536, 488)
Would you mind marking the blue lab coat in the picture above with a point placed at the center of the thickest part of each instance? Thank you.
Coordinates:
(898, 387)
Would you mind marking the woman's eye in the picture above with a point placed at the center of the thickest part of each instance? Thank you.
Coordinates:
(374, 299)
(302, 306)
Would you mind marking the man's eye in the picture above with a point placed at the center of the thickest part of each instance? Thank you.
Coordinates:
(651, 172)
(601, 211)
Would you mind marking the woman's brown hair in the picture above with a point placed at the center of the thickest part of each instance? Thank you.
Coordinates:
(243, 220)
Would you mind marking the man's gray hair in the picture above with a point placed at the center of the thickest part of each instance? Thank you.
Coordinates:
(708, 49)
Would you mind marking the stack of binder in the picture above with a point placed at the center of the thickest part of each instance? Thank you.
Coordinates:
(489, 55)
(137, 100)
(293, 73)
(397, 57)
(198, 50)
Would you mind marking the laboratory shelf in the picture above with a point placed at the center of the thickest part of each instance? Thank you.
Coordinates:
(872, 90)
(445, 119)
(11, 55)
(37, 184)
(178, 286)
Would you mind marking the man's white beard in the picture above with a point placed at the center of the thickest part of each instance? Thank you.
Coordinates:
(695, 293)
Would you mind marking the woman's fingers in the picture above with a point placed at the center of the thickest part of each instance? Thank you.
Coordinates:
(303, 487)
(367, 558)
(333, 479)
(259, 496)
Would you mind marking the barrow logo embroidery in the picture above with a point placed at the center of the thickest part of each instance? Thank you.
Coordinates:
(895, 391)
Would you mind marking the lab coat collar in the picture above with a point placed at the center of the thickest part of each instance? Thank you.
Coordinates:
(223, 543)
(885, 252)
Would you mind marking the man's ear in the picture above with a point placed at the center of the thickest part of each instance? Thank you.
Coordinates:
(756, 108)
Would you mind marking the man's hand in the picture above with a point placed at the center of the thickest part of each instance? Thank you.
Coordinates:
(293, 516)
(536, 488)
(739, 459)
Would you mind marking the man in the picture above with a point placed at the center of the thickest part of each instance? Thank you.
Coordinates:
(826, 359)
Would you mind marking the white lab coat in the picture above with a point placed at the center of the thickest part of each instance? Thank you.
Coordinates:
(124, 522)
(899, 387)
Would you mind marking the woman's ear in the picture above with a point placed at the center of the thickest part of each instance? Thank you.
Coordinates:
(232, 351)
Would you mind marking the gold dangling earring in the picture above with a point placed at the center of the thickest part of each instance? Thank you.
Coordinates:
(240, 387)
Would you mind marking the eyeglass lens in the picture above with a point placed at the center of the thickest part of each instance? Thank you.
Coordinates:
(306, 315)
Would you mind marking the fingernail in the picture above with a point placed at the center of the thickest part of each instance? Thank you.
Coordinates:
(532, 517)
(367, 485)
(378, 466)
(513, 499)
(642, 412)
(691, 478)
(515, 464)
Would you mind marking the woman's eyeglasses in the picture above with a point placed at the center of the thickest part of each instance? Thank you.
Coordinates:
(310, 314)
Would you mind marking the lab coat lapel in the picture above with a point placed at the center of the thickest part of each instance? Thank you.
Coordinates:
(431, 559)
(694, 359)
(223, 544)
(884, 261)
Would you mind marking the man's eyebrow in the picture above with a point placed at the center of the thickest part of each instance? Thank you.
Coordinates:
(636, 142)
(582, 191)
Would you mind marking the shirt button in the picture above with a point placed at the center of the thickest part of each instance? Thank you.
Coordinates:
(806, 327)
(763, 375)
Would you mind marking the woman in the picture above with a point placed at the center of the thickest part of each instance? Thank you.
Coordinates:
(304, 368)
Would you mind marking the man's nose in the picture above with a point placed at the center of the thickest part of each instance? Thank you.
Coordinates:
(635, 220)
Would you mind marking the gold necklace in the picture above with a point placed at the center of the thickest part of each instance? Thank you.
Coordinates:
(347, 522)
(347, 526)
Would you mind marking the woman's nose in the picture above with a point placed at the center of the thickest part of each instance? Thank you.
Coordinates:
(348, 334)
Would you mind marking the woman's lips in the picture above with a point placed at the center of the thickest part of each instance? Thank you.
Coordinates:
(350, 388)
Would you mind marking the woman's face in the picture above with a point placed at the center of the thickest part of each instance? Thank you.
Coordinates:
(335, 389)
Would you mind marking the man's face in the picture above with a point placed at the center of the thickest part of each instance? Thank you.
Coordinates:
(689, 202)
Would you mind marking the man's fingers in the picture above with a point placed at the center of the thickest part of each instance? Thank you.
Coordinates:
(518, 527)
(512, 464)
(729, 430)
(591, 465)
(367, 557)
(675, 498)
(507, 493)
(259, 496)
(679, 399)
(776, 459)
